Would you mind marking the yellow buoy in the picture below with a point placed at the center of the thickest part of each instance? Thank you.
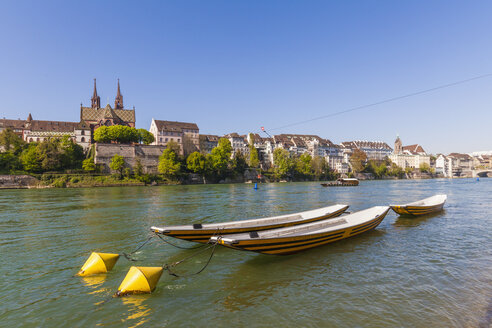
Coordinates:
(98, 263)
(140, 280)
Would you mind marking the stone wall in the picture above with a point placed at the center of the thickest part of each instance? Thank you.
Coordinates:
(148, 155)
(18, 181)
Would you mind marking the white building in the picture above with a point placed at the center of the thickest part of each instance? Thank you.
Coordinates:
(186, 135)
(412, 156)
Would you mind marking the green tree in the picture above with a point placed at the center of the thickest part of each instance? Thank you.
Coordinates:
(117, 133)
(357, 160)
(321, 169)
(239, 164)
(197, 163)
(254, 159)
(424, 167)
(88, 164)
(169, 164)
(30, 159)
(50, 154)
(11, 142)
(73, 154)
(102, 134)
(9, 162)
(220, 158)
(117, 164)
(282, 162)
(303, 165)
(145, 136)
(138, 168)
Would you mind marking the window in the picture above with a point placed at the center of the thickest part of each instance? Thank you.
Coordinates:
(82, 139)
(160, 139)
(82, 133)
(30, 140)
(166, 139)
(178, 139)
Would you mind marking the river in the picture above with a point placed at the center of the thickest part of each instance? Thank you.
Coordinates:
(434, 271)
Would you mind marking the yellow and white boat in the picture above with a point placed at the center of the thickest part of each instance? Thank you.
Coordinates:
(202, 232)
(421, 207)
(299, 238)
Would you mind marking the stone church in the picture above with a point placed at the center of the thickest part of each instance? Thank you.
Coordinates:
(81, 132)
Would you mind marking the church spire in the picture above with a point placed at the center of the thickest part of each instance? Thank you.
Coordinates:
(95, 100)
(118, 101)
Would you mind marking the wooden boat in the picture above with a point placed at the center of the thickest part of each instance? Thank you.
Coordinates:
(202, 232)
(421, 207)
(342, 182)
(299, 238)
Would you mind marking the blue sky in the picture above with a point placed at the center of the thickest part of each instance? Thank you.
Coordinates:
(234, 66)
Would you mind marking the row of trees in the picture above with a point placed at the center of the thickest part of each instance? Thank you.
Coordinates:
(219, 164)
(123, 134)
(52, 154)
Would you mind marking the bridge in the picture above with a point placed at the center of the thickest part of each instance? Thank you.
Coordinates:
(482, 173)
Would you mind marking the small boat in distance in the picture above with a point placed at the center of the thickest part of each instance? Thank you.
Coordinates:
(342, 182)
(299, 238)
(421, 207)
(202, 232)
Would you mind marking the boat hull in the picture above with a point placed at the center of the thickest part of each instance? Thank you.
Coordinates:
(417, 210)
(203, 235)
(290, 245)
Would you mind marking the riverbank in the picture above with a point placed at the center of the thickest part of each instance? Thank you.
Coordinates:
(89, 181)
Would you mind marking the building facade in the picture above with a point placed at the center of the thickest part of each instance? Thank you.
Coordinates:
(412, 156)
(186, 135)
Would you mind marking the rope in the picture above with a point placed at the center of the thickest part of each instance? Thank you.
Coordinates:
(129, 257)
(168, 267)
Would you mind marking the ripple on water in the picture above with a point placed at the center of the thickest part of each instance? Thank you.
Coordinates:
(433, 271)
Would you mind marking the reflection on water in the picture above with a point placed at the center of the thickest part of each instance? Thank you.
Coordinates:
(137, 311)
(415, 221)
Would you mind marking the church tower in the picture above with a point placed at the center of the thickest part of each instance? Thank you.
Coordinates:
(398, 147)
(95, 100)
(118, 101)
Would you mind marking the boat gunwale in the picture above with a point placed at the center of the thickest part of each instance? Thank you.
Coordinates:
(317, 234)
(221, 227)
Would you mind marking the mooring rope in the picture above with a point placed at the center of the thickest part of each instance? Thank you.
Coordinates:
(129, 257)
(168, 267)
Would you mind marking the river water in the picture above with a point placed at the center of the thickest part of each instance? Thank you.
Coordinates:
(434, 271)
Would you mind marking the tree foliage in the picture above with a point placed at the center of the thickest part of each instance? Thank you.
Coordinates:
(88, 165)
(145, 137)
(117, 164)
(220, 158)
(239, 164)
(11, 142)
(118, 133)
(357, 160)
(282, 162)
(254, 159)
(30, 160)
(197, 163)
(169, 164)
(303, 165)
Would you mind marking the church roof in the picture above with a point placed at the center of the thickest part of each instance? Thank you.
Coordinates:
(99, 114)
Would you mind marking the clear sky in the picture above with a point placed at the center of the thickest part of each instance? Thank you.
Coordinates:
(234, 66)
